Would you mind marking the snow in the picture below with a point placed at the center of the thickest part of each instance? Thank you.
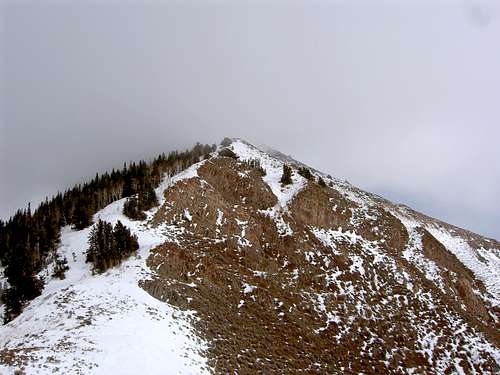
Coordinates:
(274, 171)
(187, 215)
(220, 216)
(357, 265)
(484, 263)
(101, 324)
(488, 271)
(260, 274)
(96, 324)
(247, 288)
(414, 253)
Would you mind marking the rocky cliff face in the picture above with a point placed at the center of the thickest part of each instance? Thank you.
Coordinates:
(308, 278)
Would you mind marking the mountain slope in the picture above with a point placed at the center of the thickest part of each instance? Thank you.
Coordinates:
(96, 324)
(252, 276)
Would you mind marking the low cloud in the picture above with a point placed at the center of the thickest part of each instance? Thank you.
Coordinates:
(365, 92)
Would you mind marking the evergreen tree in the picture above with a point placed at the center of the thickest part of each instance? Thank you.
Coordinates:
(81, 215)
(131, 209)
(286, 178)
(306, 173)
(147, 197)
(128, 186)
(124, 241)
(226, 142)
(21, 275)
(108, 246)
(321, 182)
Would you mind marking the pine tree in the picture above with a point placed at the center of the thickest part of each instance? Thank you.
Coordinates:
(147, 197)
(128, 186)
(109, 245)
(226, 142)
(120, 238)
(306, 173)
(20, 273)
(81, 215)
(131, 209)
(93, 241)
(286, 178)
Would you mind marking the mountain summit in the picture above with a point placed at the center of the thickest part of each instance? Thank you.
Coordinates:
(253, 262)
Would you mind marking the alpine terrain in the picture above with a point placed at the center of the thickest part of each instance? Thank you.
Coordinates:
(249, 262)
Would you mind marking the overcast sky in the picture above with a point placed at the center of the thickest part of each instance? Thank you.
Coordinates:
(399, 99)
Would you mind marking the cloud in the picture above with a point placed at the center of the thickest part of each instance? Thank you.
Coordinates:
(398, 99)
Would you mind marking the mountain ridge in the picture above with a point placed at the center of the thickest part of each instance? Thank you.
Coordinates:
(232, 251)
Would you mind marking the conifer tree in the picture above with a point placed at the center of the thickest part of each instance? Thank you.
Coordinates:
(286, 178)
(131, 209)
(109, 245)
(306, 173)
(81, 215)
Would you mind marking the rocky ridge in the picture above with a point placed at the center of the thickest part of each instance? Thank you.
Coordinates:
(239, 273)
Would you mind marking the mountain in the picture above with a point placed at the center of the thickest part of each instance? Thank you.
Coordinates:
(238, 272)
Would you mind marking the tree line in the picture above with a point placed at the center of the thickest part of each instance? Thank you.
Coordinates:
(28, 240)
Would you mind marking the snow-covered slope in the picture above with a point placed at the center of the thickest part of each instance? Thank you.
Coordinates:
(97, 324)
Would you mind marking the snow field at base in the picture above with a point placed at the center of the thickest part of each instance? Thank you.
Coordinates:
(104, 324)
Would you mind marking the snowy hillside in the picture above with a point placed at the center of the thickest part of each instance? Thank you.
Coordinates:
(95, 324)
(240, 273)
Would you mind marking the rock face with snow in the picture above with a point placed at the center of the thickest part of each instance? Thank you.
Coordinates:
(237, 273)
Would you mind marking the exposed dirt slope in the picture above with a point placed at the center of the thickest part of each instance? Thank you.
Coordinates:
(313, 279)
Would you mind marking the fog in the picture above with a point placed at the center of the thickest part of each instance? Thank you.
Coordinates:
(399, 99)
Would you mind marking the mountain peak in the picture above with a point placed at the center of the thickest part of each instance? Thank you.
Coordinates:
(246, 266)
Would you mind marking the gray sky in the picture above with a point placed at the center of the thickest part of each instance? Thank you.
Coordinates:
(401, 98)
